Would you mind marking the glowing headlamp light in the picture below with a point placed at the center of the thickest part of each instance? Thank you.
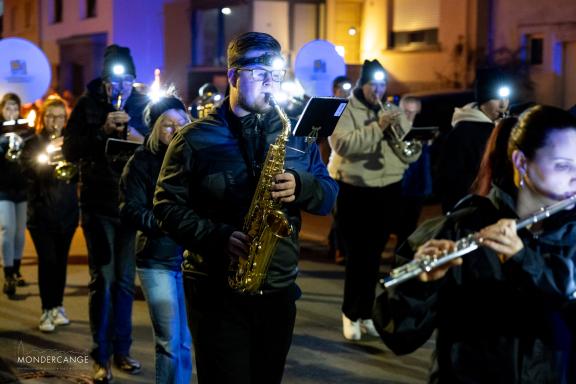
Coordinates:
(118, 69)
(378, 76)
(346, 86)
(273, 60)
(504, 92)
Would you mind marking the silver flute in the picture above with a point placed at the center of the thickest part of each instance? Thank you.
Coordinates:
(464, 246)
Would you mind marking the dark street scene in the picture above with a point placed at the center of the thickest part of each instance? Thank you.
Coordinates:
(290, 191)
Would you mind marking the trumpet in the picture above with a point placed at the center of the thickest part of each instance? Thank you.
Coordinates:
(464, 246)
(404, 150)
(15, 145)
(52, 155)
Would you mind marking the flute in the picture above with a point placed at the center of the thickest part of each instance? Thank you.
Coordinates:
(464, 246)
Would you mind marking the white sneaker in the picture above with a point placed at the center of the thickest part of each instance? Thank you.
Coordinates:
(59, 316)
(367, 327)
(350, 329)
(46, 322)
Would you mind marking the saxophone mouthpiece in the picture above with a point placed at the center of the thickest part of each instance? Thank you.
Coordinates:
(270, 99)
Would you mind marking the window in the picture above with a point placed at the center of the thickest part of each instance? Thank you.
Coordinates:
(90, 8)
(28, 14)
(415, 24)
(212, 30)
(56, 12)
(535, 50)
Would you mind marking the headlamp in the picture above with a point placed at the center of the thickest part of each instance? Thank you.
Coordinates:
(378, 76)
(273, 60)
(504, 92)
(346, 86)
(118, 69)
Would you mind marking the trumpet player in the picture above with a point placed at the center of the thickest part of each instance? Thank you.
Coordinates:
(503, 313)
(12, 194)
(369, 173)
(108, 107)
(52, 213)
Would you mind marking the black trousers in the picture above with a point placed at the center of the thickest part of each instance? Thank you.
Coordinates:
(239, 339)
(52, 249)
(365, 217)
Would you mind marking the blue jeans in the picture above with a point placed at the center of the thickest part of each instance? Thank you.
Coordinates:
(112, 266)
(164, 292)
(12, 230)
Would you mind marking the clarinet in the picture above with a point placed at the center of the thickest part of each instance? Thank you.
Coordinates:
(464, 246)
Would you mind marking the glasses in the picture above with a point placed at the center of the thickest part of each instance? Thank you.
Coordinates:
(55, 117)
(126, 81)
(259, 74)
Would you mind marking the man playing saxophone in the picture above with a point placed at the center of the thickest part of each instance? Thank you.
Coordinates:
(205, 190)
(368, 165)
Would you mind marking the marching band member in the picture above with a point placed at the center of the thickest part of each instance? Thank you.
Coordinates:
(107, 110)
(12, 195)
(504, 313)
(52, 211)
(211, 171)
(158, 257)
(369, 173)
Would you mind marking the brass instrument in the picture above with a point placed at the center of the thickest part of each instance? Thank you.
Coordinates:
(15, 146)
(464, 246)
(52, 155)
(406, 151)
(264, 223)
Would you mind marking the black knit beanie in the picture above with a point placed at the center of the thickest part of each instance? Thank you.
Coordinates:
(369, 68)
(156, 109)
(487, 83)
(115, 54)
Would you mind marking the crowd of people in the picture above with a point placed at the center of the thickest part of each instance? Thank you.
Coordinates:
(166, 195)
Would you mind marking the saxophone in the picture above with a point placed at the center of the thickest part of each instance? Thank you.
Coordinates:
(264, 223)
(406, 151)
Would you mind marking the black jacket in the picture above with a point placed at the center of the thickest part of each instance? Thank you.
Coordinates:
(496, 323)
(52, 203)
(12, 179)
(461, 154)
(85, 142)
(154, 249)
(208, 179)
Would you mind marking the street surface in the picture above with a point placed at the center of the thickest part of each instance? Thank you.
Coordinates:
(319, 353)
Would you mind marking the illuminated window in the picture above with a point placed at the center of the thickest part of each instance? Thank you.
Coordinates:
(415, 24)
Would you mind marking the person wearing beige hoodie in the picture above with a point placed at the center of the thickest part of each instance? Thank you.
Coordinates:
(369, 173)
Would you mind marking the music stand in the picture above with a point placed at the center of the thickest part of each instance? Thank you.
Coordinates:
(319, 117)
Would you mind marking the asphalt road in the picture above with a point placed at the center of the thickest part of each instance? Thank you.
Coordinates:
(319, 353)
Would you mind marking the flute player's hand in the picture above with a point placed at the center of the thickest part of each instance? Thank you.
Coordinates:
(436, 248)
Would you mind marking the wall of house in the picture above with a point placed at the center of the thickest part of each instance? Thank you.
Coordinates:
(177, 46)
(516, 21)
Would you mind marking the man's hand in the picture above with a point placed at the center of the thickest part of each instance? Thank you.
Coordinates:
(237, 246)
(386, 119)
(501, 238)
(115, 122)
(436, 248)
(284, 188)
